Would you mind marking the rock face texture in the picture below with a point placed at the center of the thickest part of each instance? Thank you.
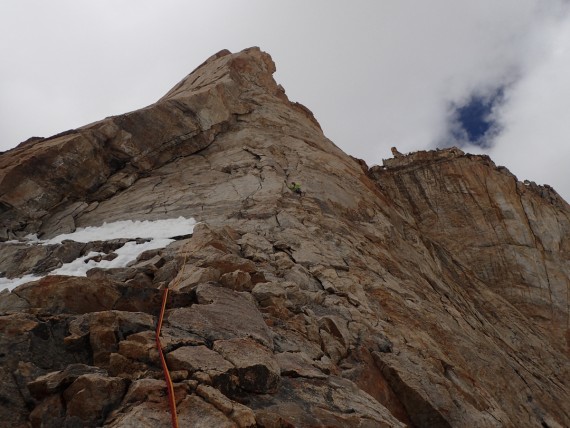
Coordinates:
(512, 235)
(431, 291)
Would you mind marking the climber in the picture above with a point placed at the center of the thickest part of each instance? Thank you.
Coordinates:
(296, 187)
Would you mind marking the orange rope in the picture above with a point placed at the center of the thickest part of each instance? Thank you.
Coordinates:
(169, 386)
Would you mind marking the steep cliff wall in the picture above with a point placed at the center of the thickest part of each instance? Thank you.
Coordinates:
(514, 236)
(429, 292)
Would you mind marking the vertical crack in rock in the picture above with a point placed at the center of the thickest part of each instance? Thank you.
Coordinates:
(540, 247)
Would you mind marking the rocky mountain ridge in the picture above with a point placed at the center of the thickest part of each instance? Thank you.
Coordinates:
(430, 291)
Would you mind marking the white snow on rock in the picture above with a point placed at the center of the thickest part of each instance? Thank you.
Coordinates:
(160, 233)
(129, 229)
(10, 284)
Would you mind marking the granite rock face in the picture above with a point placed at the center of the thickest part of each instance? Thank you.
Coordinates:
(513, 236)
(431, 291)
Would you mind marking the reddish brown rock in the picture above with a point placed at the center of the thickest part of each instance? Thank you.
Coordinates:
(237, 280)
(221, 314)
(90, 397)
(256, 367)
(431, 291)
(240, 414)
(64, 294)
(298, 364)
(60, 380)
(50, 413)
(201, 359)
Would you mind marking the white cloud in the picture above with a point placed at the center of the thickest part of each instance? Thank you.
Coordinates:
(376, 74)
(536, 141)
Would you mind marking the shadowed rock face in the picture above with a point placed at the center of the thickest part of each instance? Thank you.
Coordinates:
(432, 291)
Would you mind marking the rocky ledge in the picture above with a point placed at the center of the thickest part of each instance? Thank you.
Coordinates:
(431, 291)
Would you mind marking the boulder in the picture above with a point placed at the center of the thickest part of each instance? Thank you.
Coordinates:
(221, 314)
(256, 367)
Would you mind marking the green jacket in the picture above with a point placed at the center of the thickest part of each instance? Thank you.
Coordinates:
(295, 187)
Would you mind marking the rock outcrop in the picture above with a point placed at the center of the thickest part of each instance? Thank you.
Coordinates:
(512, 235)
(431, 291)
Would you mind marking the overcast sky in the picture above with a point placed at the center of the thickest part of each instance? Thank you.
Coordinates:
(489, 76)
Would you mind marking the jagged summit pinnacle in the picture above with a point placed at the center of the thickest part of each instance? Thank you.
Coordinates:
(99, 159)
(429, 291)
(250, 66)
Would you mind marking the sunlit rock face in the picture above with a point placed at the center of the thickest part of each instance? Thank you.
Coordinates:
(513, 236)
(431, 291)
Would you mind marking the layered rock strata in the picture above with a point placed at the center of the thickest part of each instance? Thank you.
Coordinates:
(512, 235)
(428, 292)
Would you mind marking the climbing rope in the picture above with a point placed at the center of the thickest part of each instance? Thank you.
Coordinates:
(169, 386)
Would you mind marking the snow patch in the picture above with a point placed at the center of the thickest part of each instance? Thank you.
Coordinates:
(129, 229)
(159, 233)
(10, 284)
